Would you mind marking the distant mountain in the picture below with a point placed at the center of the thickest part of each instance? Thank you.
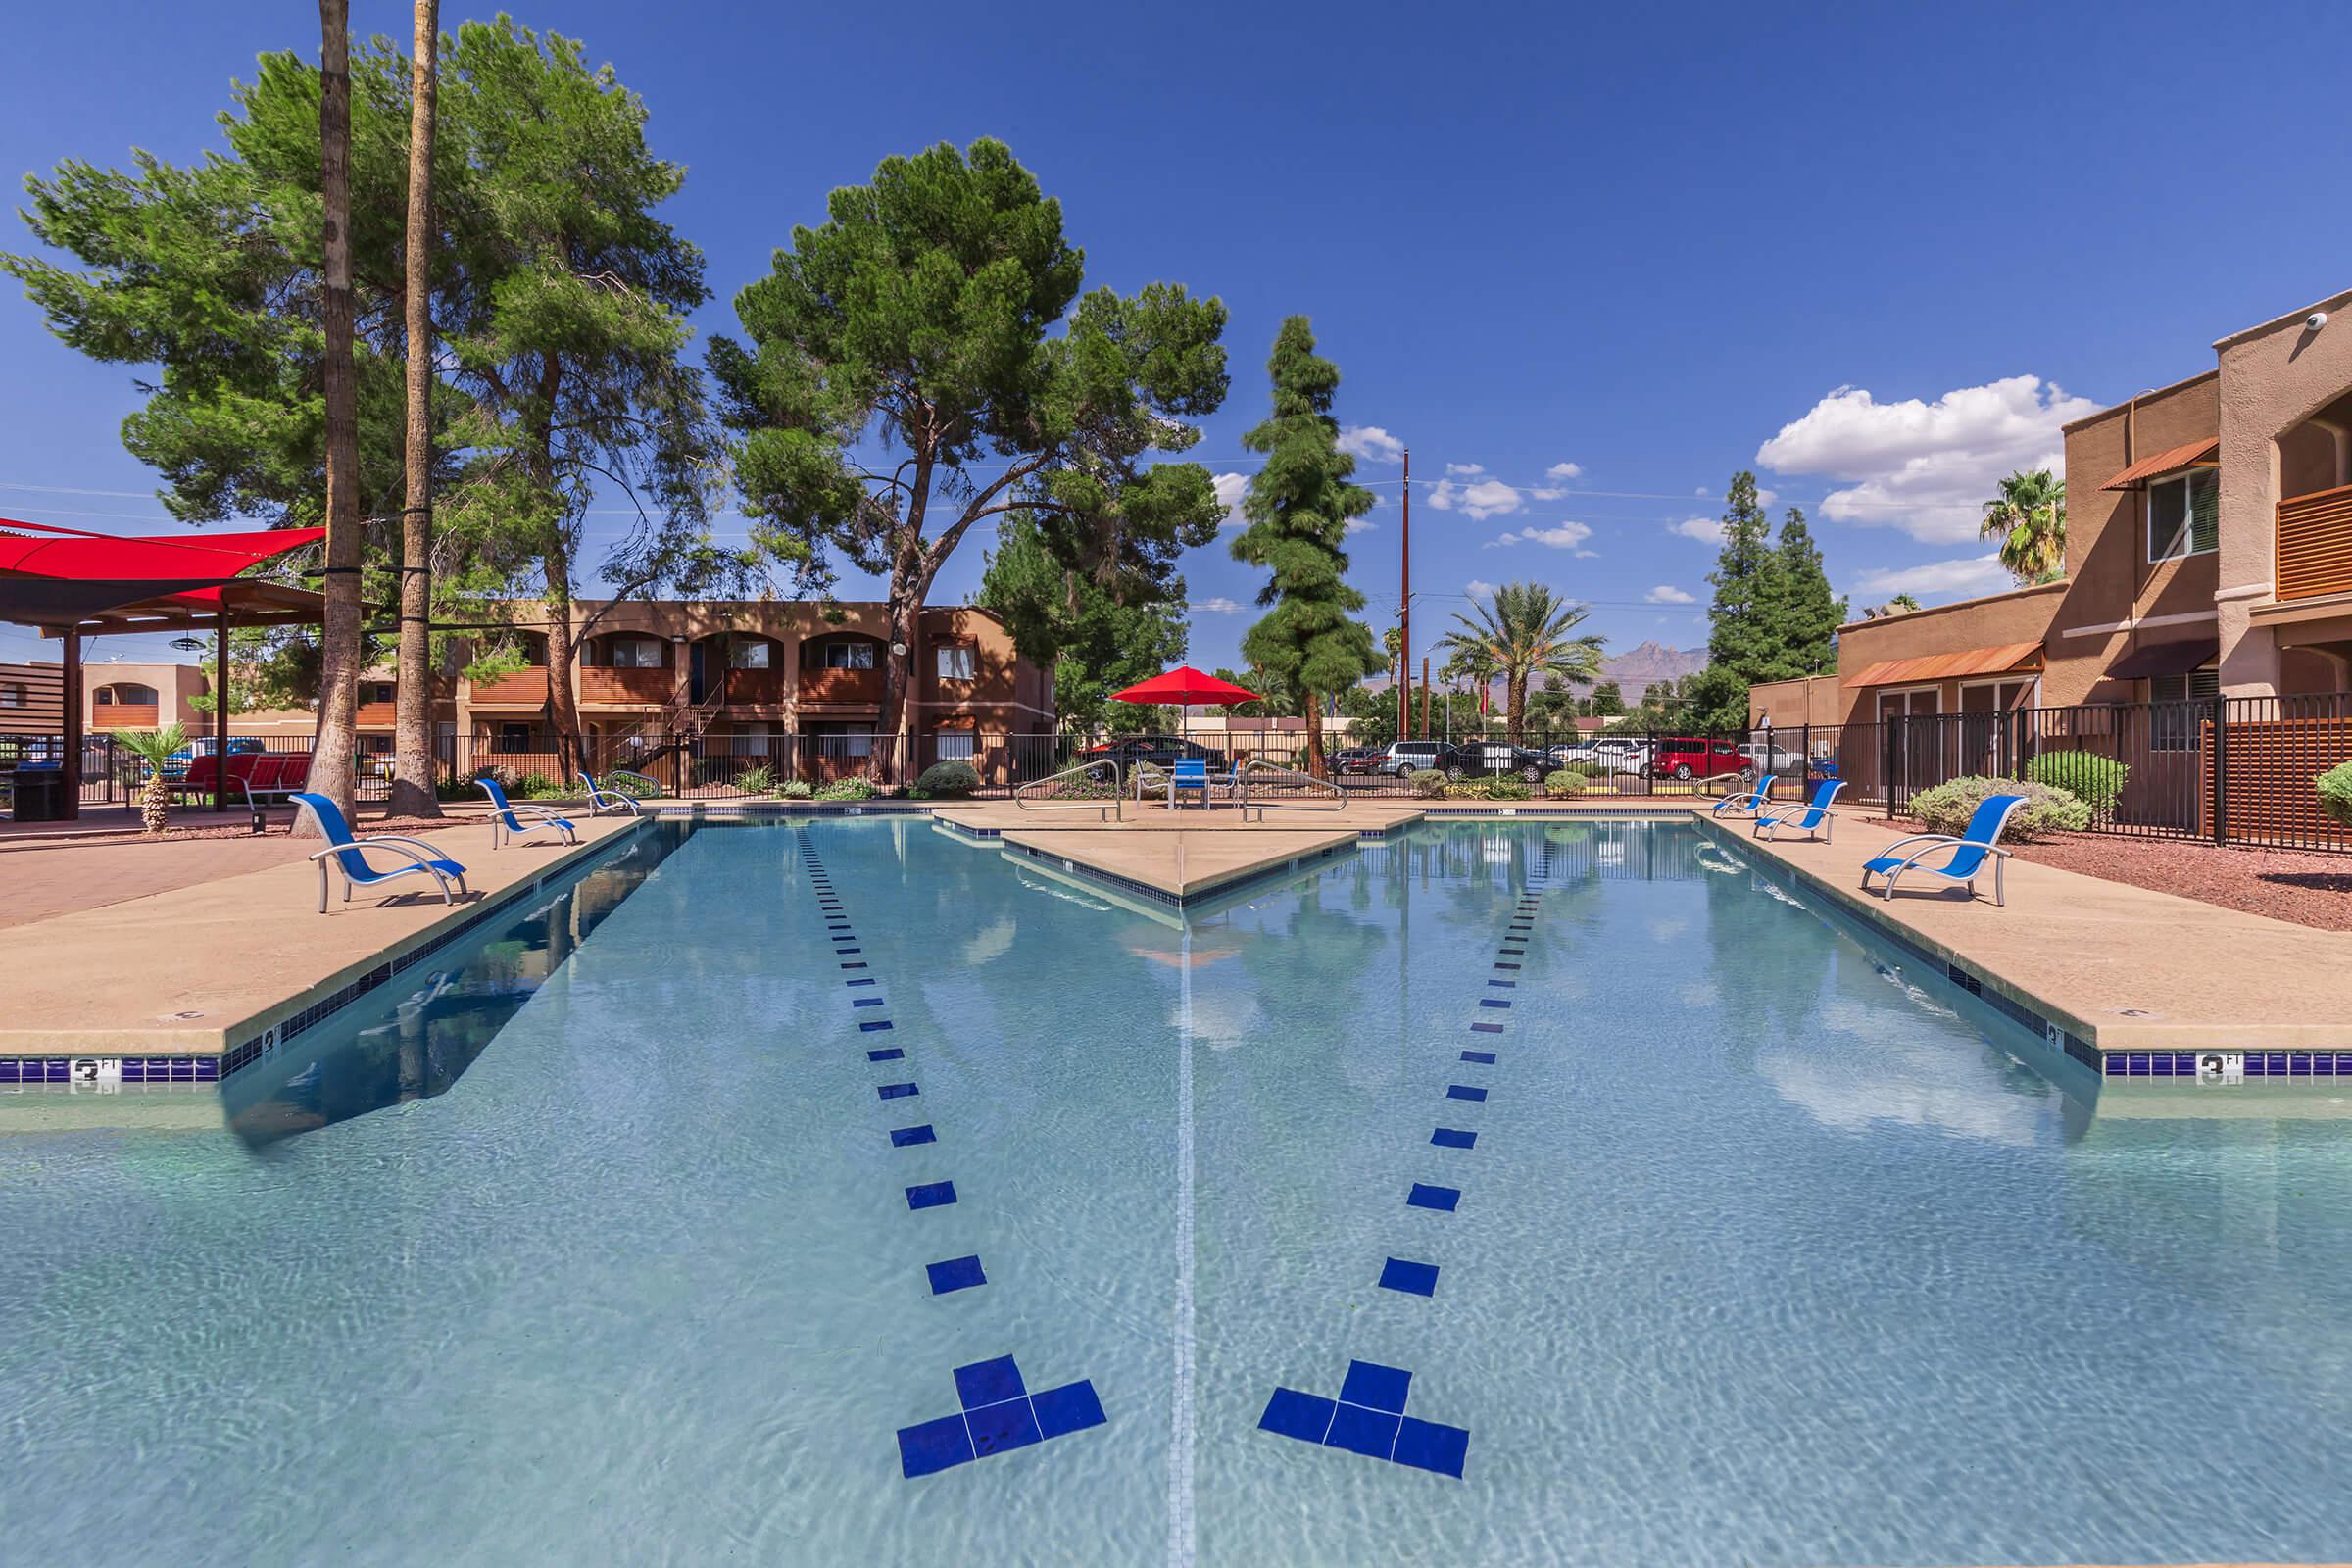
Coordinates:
(1637, 666)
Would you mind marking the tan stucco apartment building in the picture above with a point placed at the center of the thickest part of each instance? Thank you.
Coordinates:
(2209, 549)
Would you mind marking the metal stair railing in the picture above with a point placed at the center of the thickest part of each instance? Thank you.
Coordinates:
(1306, 792)
(1036, 795)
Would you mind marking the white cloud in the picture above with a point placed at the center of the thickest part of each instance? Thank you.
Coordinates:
(1567, 536)
(1479, 590)
(1361, 526)
(1765, 497)
(1371, 443)
(1230, 488)
(1565, 470)
(1488, 498)
(1700, 491)
(1465, 468)
(1951, 579)
(1666, 594)
(1926, 467)
(1708, 530)
(1219, 605)
(1546, 493)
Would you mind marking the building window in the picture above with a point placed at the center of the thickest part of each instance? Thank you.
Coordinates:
(379, 692)
(12, 695)
(748, 654)
(2175, 725)
(849, 655)
(955, 662)
(129, 693)
(849, 747)
(2184, 516)
(958, 745)
(514, 738)
(636, 653)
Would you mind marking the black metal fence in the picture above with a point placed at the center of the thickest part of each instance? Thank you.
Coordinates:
(2228, 769)
(112, 775)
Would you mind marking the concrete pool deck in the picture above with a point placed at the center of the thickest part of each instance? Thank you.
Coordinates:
(194, 969)
(2124, 967)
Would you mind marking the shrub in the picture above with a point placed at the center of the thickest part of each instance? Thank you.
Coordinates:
(948, 779)
(1567, 781)
(456, 789)
(622, 781)
(758, 779)
(795, 789)
(2335, 793)
(1426, 782)
(1947, 807)
(2094, 780)
(529, 786)
(1491, 789)
(847, 788)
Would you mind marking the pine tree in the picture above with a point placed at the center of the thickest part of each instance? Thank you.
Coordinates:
(1297, 509)
(1739, 637)
(1803, 615)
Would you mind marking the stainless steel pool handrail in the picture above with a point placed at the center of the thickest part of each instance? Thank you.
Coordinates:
(1106, 810)
(1289, 778)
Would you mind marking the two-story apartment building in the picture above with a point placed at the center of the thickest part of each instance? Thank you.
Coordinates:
(2209, 549)
(749, 673)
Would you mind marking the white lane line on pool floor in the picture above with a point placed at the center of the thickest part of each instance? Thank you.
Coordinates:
(1182, 1543)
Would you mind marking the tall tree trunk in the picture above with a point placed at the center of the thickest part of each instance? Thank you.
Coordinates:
(339, 649)
(1314, 734)
(908, 591)
(413, 764)
(563, 703)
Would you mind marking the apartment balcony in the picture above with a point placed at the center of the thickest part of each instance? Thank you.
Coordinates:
(608, 686)
(124, 715)
(525, 688)
(845, 686)
(762, 688)
(2315, 544)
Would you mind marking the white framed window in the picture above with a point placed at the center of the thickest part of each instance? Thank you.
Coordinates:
(849, 655)
(2184, 515)
(854, 746)
(955, 660)
(636, 653)
(746, 653)
(958, 745)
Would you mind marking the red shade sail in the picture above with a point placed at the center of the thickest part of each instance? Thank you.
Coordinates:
(1184, 686)
(41, 552)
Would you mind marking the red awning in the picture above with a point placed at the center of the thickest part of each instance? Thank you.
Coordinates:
(1184, 686)
(2194, 455)
(2002, 658)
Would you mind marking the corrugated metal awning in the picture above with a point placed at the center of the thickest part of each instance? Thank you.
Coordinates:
(1999, 659)
(2165, 461)
(2166, 659)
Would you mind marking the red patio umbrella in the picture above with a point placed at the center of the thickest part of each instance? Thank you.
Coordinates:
(1184, 686)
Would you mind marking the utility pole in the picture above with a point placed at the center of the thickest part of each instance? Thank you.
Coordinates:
(1425, 697)
(1405, 607)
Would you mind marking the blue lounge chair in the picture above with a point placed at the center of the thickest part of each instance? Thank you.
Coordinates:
(518, 820)
(1749, 801)
(602, 800)
(348, 855)
(1969, 851)
(1813, 814)
(1188, 773)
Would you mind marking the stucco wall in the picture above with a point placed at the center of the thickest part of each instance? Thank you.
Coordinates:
(2023, 616)
(2274, 377)
(1789, 703)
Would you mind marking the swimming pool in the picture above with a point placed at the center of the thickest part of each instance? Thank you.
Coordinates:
(726, 1233)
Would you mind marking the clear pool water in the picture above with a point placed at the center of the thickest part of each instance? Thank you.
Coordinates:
(602, 1249)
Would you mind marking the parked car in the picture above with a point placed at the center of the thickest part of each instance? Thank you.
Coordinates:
(1617, 754)
(1475, 760)
(1161, 750)
(1783, 759)
(1356, 759)
(1685, 759)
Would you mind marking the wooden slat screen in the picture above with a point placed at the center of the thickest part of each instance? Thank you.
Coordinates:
(2272, 763)
(2315, 544)
(31, 700)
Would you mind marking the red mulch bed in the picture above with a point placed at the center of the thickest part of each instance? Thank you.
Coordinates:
(2297, 885)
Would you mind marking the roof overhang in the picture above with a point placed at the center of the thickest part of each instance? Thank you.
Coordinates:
(2194, 455)
(2166, 659)
(2002, 658)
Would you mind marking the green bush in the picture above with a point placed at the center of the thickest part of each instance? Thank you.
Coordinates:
(1566, 781)
(623, 781)
(528, 786)
(847, 789)
(948, 780)
(1426, 782)
(2335, 793)
(758, 779)
(456, 789)
(2094, 780)
(1491, 789)
(1947, 807)
(795, 789)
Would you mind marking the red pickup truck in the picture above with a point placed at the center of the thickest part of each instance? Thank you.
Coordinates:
(1681, 758)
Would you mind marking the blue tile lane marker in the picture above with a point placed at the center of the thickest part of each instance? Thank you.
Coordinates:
(1452, 1137)
(872, 1026)
(987, 1425)
(956, 1274)
(1486, 1028)
(1465, 1092)
(1379, 1431)
(904, 1136)
(868, 982)
(1507, 966)
(1442, 1198)
(865, 1002)
(931, 1194)
(1483, 1057)
(1508, 985)
(891, 1054)
(896, 1090)
(1493, 1002)
(1414, 1279)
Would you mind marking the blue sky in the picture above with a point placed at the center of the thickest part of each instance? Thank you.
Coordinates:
(1877, 253)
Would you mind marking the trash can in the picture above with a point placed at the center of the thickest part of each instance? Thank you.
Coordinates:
(39, 790)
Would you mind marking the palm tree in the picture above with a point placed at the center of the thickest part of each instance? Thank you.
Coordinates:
(2029, 518)
(1525, 630)
(154, 746)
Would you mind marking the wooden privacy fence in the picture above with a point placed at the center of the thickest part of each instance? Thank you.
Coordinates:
(2259, 780)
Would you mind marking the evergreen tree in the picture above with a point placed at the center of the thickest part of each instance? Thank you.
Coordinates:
(1064, 620)
(1803, 615)
(1741, 637)
(1297, 509)
(1607, 701)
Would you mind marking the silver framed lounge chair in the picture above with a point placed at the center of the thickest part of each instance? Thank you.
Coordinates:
(348, 855)
(514, 823)
(602, 800)
(1969, 851)
(1815, 815)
